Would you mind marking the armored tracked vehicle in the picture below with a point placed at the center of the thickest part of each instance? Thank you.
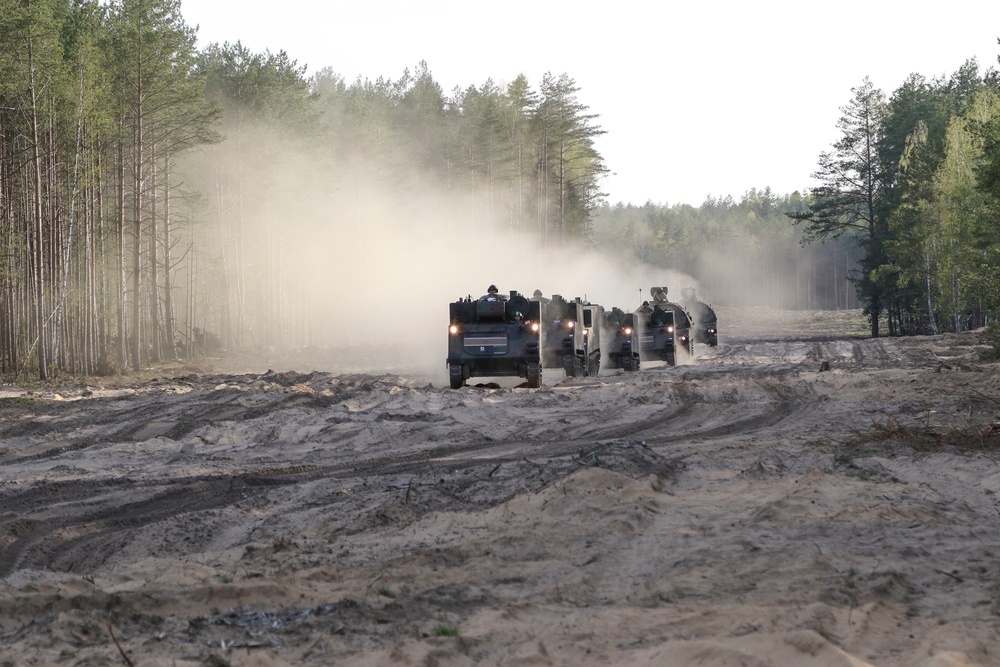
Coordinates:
(494, 336)
(682, 320)
(704, 323)
(621, 340)
(657, 334)
(664, 329)
(571, 335)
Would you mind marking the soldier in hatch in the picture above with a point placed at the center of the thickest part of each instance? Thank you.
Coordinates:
(492, 294)
(537, 296)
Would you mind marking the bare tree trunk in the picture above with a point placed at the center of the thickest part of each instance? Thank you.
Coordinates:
(39, 250)
(931, 319)
(120, 251)
(8, 341)
(64, 287)
(168, 301)
(192, 294)
(89, 296)
(137, 185)
(154, 299)
(228, 264)
(542, 205)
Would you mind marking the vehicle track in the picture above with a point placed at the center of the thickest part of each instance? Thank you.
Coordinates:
(36, 532)
(80, 523)
(774, 414)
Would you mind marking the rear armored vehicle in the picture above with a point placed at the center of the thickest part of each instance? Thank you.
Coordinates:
(657, 334)
(494, 336)
(664, 329)
(621, 340)
(571, 337)
(704, 323)
(682, 320)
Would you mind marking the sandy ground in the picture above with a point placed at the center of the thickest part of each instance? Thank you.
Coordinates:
(747, 509)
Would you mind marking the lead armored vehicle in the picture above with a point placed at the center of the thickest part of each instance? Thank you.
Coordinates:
(621, 340)
(704, 323)
(494, 336)
(571, 337)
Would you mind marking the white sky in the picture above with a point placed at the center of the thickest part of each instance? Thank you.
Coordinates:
(696, 98)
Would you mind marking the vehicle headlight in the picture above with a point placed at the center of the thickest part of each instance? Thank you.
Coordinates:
(628, 331)
(570, 325)
(453, 329)
(534, 327)
(670, 329)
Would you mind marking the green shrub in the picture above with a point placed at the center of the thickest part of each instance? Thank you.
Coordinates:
(445, 631)
(992, 337)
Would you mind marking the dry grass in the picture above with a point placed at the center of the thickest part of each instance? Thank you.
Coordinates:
(773, 322)
(927, 438)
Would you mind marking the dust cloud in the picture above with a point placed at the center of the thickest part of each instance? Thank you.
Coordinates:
(386, 294)
(782, 273)
(350, 275)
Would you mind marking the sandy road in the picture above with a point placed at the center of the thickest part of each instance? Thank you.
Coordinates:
(743, 507)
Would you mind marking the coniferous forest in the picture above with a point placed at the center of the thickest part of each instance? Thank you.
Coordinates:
(158, 201)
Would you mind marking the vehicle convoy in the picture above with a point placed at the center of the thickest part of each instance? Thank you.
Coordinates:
(571, 335)
(494, 336)
(621, 340)
(704, 323)
(512, 336)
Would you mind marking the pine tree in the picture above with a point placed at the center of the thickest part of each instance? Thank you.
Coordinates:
(162, 113)
(851, 194)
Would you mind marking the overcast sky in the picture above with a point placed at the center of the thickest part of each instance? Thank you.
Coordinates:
(697, 99)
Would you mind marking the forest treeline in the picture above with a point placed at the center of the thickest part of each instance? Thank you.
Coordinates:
(914, 179)
(160, 201)
(157, 200)
(907, 211)
(741, 252)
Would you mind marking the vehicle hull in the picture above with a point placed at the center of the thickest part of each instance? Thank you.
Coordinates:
(494, 338)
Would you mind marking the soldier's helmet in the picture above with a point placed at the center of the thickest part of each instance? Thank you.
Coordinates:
(492, 289)
(538, 292)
